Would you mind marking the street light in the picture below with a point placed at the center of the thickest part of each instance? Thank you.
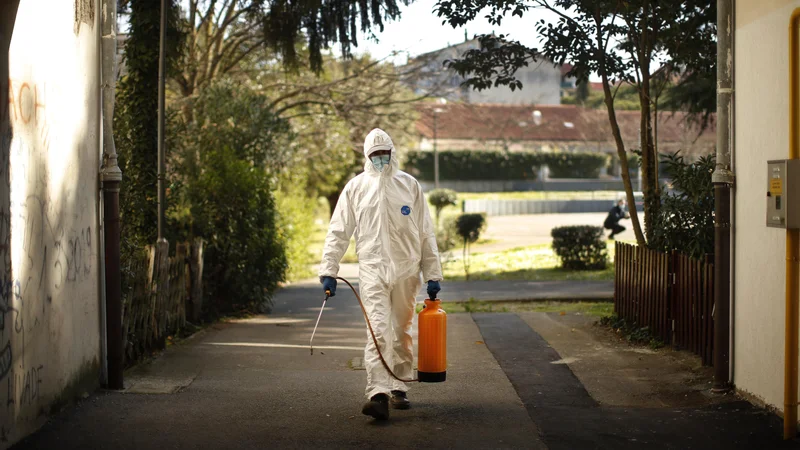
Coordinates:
(436, 112)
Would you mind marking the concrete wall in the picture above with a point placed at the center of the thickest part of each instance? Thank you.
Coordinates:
(49, 297)
(524, 207)
(761, 134)
(561, 185)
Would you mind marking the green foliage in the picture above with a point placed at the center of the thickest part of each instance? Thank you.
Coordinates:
(441, 199)
(686, 219)
(580, 247)
(447, 235)
(627, 99)
(135, 118)
(632, 332)
(474, 165)
(296, 226)
(233, 209)
(491, 165)
(575, 165)
(226, 170)
(469, 227)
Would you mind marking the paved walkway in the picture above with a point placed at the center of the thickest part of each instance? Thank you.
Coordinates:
(253, 384)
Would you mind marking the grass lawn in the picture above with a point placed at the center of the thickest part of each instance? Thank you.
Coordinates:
(535, 263)
(593, 309)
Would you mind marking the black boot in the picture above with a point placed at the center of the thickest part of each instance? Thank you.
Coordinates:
(377, 407)
(400, 400)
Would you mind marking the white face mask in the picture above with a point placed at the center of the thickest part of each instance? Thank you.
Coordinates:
(380, 161)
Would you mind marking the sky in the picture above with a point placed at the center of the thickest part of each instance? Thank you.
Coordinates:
(419, 30)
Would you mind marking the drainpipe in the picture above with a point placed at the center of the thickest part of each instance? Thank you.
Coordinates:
(111, 177)
(792, 252)
(723, 179)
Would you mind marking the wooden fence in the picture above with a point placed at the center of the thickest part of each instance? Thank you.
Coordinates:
(672, 294)
(161, 290)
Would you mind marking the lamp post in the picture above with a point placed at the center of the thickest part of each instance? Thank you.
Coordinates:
(436, 112)
(162, 196)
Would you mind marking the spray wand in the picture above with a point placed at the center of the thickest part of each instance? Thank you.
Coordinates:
(369, 325)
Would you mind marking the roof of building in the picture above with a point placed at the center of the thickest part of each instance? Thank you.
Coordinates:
(555, 123)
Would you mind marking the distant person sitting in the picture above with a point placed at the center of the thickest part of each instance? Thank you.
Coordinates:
(614, 216)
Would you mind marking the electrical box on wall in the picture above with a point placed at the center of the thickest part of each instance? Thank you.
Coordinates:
(783, 193)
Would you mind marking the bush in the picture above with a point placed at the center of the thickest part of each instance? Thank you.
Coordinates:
(447, 235)
(469, 228)
(226, 167)
(474, 165)
(575, 165)
(234, 211)
(685, 221)
(482, 165)
(580, 247)
(440, 199)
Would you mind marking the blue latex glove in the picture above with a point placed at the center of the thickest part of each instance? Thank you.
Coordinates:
(329, 284)
(433, 289)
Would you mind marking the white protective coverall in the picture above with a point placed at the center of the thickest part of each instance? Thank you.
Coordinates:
(395, 241)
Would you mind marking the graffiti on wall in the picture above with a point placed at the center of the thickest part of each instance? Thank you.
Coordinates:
(53, 248)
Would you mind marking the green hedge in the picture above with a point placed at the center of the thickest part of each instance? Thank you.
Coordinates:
(580, 247)
(471, 165)
(474, 165)
(575, 165)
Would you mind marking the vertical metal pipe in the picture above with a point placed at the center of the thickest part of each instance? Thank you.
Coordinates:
(111, 176)
(435, 152)
(113, 285)
(723, 178)
(162, 197)
(792, 252)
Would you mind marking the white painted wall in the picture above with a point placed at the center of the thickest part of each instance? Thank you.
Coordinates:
(49, 300)
(761, 134)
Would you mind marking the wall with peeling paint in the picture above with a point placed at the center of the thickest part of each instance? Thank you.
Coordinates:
(761, 130)
(49, 248)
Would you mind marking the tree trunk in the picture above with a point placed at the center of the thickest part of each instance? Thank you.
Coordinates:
(333, 199)
(649, 176)
(623, 158)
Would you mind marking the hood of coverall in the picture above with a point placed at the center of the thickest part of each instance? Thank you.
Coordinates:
(378, 139)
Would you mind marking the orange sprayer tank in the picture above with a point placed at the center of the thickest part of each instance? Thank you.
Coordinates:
(432, 343)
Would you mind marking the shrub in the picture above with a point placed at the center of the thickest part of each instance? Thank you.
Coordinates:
(485, 165)
(685, 221)
(233, 209)
(469, 228)
(474, 165)
(447, 235)
(226, 167)
(440, 199)
(580, 247)
(575, 165)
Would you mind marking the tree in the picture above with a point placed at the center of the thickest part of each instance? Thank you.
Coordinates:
(582, 92)
(469, 228)
(440, 199)
(628, 41)
(223, 33)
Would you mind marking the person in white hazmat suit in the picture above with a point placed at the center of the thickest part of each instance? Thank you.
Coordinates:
(396, 243)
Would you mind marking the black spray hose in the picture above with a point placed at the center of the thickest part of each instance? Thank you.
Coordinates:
(372, 333)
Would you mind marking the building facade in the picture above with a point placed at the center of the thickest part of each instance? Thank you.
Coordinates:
(541, 81)
(760, 133)
(50, 250)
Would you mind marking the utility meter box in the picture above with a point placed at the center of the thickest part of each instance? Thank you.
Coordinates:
(783, 193)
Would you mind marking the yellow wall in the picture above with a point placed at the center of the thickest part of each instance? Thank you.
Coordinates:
(761, 134)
